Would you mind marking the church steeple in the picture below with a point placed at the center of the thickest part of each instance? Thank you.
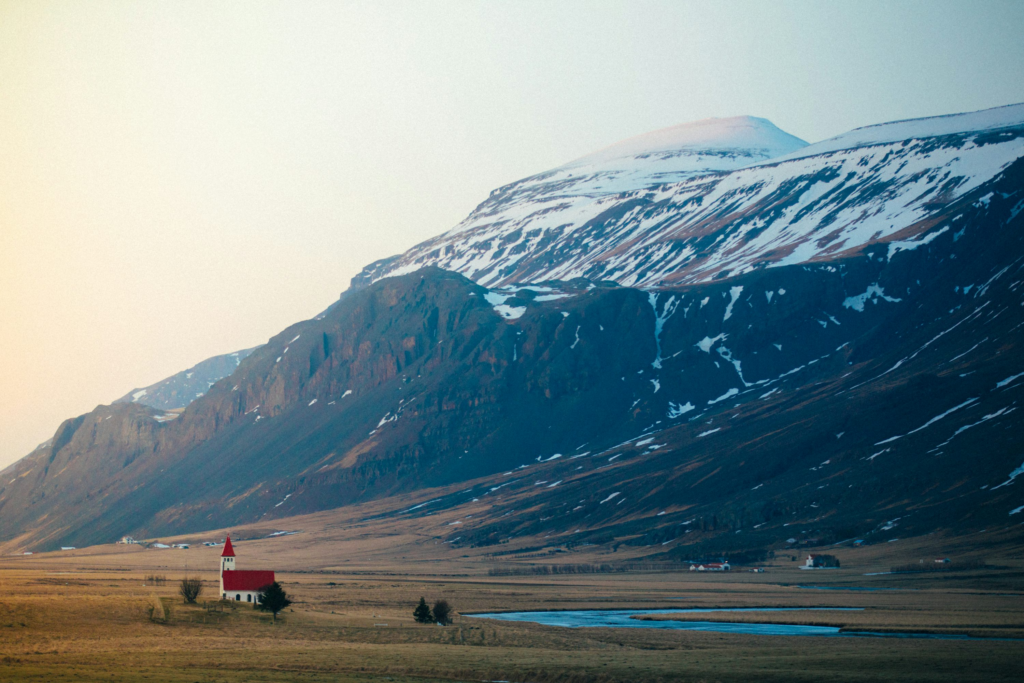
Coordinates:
(227, 558)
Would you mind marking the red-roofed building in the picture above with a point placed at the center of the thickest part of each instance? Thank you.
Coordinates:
(250, 581)
(240, 585)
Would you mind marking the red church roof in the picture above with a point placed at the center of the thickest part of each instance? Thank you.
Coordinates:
(246, 580)
(228, 550)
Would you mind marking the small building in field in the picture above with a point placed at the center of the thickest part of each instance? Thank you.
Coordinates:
(240, 585)
(710, 567)
(820, 561)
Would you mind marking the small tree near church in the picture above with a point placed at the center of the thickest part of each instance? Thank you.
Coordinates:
(273, 599)
(422, 613)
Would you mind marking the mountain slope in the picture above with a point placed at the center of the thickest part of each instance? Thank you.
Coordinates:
(872, 389)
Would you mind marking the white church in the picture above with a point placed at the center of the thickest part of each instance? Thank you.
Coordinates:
(242, 586)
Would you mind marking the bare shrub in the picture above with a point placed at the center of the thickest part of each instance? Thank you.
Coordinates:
(932, 566)
(443, 612)
(156, 609)
(190, 589)
(548, 569)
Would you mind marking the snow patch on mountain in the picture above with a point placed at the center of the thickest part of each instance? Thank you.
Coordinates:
(620, 215)
(873, 294)
(497, 301)
(1010, 116)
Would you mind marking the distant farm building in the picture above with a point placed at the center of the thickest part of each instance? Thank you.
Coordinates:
(820, 562)
(237, 584)
(710, 567)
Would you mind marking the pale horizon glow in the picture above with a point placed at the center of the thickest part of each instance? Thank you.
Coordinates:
(181, 180)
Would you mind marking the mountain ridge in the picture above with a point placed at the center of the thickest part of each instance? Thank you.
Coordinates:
(830, 392)
(983, 120)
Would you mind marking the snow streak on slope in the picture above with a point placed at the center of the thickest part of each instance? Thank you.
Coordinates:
(1011, 116)
(625, 218)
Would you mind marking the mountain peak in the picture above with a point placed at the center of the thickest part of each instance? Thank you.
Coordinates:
(748, 134)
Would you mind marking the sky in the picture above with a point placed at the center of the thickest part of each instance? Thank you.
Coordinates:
(180, 180)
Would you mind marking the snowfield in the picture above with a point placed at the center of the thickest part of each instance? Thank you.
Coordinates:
(722, 197)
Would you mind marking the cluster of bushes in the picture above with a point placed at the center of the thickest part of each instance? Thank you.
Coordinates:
(754, 556)
(932, 566)
(549, 569)
(524, 551)
(441, 614)
(155, 579)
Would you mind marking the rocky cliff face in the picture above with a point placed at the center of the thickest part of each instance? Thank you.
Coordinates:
(870, 391)
(413, 382)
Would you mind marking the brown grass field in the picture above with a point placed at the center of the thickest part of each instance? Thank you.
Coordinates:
(88, 614)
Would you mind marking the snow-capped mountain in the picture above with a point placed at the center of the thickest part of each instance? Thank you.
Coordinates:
(803, 342)
(719, 198)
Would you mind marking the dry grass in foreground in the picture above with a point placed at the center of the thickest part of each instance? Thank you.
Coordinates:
(63, 619)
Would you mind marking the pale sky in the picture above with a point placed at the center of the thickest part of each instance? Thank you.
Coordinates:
(183, 179)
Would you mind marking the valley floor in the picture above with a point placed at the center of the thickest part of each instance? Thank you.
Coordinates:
(89, 617)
